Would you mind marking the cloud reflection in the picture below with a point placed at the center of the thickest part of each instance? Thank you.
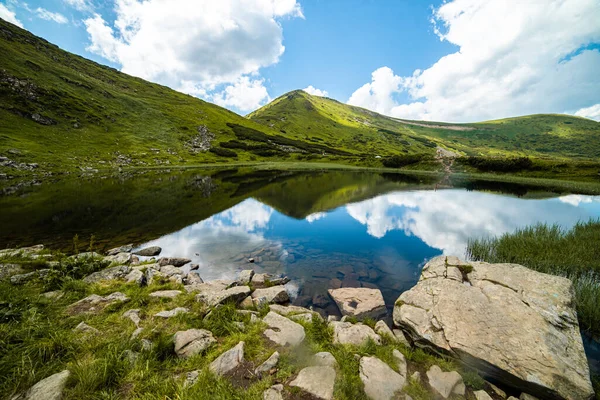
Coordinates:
(446, 219)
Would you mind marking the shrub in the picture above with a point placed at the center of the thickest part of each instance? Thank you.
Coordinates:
(499, 164)
(223, 152)
(399, 161)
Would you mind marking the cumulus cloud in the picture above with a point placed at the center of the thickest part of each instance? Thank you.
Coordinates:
(315, 92)
(51, 16)
(315, 217)
(592, 112)
(513, 58)
(199, 45)
(9, 15)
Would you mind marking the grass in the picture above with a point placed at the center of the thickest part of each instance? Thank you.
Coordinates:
(574, 254)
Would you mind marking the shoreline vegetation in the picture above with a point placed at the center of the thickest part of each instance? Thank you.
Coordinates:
(574, 254)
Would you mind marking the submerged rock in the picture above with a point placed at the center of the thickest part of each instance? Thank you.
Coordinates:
(359, 302)
(513, 324)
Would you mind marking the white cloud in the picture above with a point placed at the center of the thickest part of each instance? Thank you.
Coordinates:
(9, 15)
(316, 92)
(51, 16)
(315, 217)
(592, 112)
(513, 58)
(80, 5)
(202, 46)
(245, 94)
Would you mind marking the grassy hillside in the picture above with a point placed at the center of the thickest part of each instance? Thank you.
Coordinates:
(63, 111)
(319, 119)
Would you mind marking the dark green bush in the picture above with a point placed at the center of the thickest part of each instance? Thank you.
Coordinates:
(223, 152)
(399, 161)
(499, 164)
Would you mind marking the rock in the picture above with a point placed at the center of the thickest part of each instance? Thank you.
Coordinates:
(288, 310)
(325, 359)
(83, 327)
(50, 388)
(245, 277)
(359, 302)
(400, 338)
(317, 381)
(482, 395)
(123, 249)
(306, 317)
(331, 318)
(107, 274)
(273, 294)
(515, 325)
(7, 270)
(165, 294)
(133, 315)
(247, 302)
(268, 365)
(320, 300)
(135, 276)
(273, 393)
(525, 396)
(171, 271)
(148, 251)
(172, 313)
(234, 294)
(228, 361)
(497, 390)
(191, 378)
(382, 329)
(135, 260)
(400, 362)
(120, 258)
(54, 295)
(381, 382)
(174, 261)
(22, 278)
(355, 334)
(136, 333)
(416, 376)
(193, 278)
(152, 275)
(95, 303)
(445, 383)
(209, 287)
(283, 331)
(193, 341)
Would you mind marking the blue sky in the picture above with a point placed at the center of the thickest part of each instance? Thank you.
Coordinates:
(459, 60)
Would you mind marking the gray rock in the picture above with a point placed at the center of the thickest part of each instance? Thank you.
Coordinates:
(152, 275)
(273, 393)
(136, 333)
(234, 294)
(7, 270)
(228, 361)
(445, 383)
(175, 261)
(54, 295)
(359, 302)
(382, 329)
(50, 388)
(331, 318)
(172, 313)
(482, 395)
(95, 303)
(268, 365)
(400, 362)
(516, 325)
(107, 274)
(135, 276)
(148, 251)
(193, 278)
(120, 258)
(191, 378)
(273, 294)
(355, 334)
(171, 271)
(283, 331)
(193, 341)
(381, 382)
(20, 279)
(133, 315)
(245, 277)
(122, 249)
(318, 381)
(306, 317)
(165, 294)
(288, 310)
(400, 338)
(83, 327)
(325, 359)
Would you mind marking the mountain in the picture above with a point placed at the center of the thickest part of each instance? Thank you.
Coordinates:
(323, 120)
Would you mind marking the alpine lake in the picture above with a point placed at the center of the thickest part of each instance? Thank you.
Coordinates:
(322, 229)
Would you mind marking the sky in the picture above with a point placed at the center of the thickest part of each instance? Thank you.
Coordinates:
(453, 60)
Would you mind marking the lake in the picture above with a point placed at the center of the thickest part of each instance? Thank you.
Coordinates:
(321, 229)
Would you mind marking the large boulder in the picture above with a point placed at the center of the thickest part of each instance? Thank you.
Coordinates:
(282, 330)
(174, 261)
(354, 334)
(148, 251)
(193, 341)
(359, 302)
(515, 325)
(273, 294)
(234, 294)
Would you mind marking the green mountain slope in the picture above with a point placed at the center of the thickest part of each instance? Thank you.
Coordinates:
(63, 111)
(320, 119)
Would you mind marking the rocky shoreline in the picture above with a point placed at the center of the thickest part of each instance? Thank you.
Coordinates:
(517, 328)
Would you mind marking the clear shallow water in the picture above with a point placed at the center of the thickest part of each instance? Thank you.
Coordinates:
(322, 229)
